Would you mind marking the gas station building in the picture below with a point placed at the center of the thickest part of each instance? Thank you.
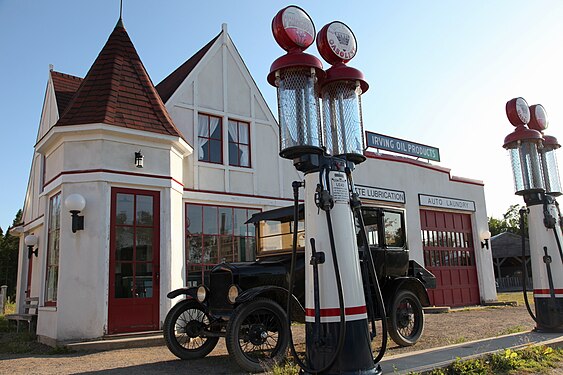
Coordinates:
(169, 174)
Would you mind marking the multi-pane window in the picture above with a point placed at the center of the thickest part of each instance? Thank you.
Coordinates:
(447, 249)
(210, 139)
(239, 144)
(53, 238)
(217, 234)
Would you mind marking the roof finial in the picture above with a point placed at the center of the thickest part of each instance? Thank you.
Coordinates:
(120, 9)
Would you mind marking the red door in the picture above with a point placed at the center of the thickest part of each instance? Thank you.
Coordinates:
(134, 261)
(447, 241)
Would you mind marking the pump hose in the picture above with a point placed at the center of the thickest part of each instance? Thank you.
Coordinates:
(340, 345)
(525, 273)
(373, 273)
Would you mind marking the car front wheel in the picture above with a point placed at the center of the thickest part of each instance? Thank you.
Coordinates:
(257, 334)
(184, 331)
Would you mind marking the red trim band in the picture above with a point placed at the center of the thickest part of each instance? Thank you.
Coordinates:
(240, 194)
(84, 171)
(330, 312)
(547, 291)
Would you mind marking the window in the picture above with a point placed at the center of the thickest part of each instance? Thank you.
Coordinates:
(239, 144)
(217, 234)
(53, 238)
(277, 236)
(393, 228)
(210, 139)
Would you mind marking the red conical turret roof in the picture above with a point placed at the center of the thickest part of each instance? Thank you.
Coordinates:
(118, 91)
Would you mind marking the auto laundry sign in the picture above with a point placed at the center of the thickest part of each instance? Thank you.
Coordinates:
(379, 194)
(443, 202)
(401, 146)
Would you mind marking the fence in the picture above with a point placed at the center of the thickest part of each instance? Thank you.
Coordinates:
(511, 284)
(3, 298)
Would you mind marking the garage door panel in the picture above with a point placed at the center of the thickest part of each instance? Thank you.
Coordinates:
(449, 255)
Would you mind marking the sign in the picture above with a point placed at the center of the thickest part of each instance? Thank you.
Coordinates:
(339, 188)
(379, 194)
(443, 202)
(401, 146)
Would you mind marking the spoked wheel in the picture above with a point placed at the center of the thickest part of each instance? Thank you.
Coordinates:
(406, 318)
(257, 335)
(184, 331)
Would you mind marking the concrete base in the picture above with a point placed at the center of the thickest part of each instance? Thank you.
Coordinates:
(436, 310)
(113, 342)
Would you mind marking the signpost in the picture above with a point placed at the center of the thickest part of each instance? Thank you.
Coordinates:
(401, 146)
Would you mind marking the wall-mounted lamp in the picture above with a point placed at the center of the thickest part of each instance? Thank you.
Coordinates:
(139, 159)
(485, 236)
(76, 203)
(30, 241)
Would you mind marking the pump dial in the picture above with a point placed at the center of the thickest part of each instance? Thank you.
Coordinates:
(538, 118)
(336, 43)
(293, 28)
(518, 112)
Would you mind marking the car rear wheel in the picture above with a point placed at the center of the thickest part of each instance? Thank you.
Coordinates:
(184, 331)
(257, 335)
(406, 319)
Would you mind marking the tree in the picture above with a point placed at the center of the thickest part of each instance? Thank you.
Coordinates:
(510, 222)
(9, 257)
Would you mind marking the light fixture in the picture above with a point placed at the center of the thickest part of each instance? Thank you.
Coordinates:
(76, 203)
(30, 241)
(139, 159)
(485, 236)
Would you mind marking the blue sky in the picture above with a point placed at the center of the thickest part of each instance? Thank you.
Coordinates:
(440, 72)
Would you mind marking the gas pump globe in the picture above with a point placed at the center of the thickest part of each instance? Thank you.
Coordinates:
(295, 76)
(539, 122)
(522, 145)
(341, 92)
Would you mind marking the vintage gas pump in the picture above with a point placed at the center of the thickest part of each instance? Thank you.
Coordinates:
(337, 335)
(536, 178)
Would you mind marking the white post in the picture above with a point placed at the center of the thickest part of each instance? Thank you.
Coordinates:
(3, 298)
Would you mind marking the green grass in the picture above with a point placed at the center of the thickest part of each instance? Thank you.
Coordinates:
(515, 296)
(512, 329)
(532, 359)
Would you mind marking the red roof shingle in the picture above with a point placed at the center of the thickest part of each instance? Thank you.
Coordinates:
(118, 91)
(65, 86)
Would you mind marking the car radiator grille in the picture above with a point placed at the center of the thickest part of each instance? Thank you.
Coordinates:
(219, 286)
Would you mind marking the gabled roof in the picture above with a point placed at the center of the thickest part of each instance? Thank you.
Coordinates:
(118, 91)
(170, 84)
(65, 86)
(508, 244)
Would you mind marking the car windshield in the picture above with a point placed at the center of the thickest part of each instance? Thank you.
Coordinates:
(277, 236)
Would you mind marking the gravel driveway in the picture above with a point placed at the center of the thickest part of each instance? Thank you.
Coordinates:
(440, 330)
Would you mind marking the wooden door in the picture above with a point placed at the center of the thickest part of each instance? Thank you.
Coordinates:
(448, 253)
(134, 267)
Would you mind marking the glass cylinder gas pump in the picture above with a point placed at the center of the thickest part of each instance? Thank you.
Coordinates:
(539, 122)
(536, 178)
(341, 92)
(336, 328)
(296, 75)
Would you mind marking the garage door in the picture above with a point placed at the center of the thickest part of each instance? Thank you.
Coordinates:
(447, 241)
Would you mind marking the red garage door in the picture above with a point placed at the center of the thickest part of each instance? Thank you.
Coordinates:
(448, 253)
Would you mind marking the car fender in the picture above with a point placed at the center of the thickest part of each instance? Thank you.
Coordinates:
(408, 283)
(252, 293)
(191, 293)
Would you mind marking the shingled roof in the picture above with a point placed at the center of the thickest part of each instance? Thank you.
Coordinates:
(65, 86)
(170, 84)
(118, 91)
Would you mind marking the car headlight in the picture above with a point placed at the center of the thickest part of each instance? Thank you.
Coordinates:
(201, 293)
(233, 293)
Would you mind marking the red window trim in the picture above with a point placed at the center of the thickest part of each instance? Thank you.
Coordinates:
(49, 218)
(209, 138)
(238, 143)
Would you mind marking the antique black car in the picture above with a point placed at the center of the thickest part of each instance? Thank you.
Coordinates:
(245, 302)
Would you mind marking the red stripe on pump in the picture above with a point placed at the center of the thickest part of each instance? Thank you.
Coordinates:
(547, 291)
(336, 311)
